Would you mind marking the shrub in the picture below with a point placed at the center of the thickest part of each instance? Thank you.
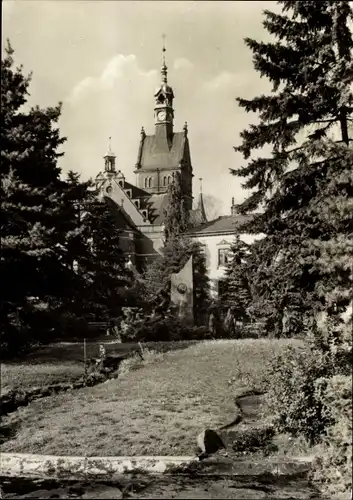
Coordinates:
(251, 439)
(333, 466)
(157, 329)
(293, 400)
(298, 407)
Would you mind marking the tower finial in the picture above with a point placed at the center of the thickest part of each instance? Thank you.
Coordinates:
(163, 48)
(110, 145)
(200, 179)
(164, 66)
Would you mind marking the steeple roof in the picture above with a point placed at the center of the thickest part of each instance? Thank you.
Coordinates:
(200, 205)
(198, 215)
(110, 153)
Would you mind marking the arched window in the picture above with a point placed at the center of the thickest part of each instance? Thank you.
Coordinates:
(150, 182)
(146, 182)
(165, 180)
(169, 179)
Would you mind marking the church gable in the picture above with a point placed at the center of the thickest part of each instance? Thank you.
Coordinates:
(136, 209)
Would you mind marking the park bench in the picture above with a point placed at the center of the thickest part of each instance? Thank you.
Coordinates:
(99, 325)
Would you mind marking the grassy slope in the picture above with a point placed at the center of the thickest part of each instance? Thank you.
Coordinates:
(63, 362)
(73, 351)
(155, 410)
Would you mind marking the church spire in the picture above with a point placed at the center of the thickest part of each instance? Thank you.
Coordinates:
(201, 206)
(163, 110)
(164, 70)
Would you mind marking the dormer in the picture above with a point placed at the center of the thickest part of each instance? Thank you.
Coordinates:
(120, 179)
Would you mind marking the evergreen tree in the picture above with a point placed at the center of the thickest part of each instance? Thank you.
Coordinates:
(177, 216)
(30, 204)
(75, 250)
(310, 67)
(236, 287)
(90, 248)
(108, 277)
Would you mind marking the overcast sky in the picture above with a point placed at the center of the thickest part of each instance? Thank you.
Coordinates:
(102, 60)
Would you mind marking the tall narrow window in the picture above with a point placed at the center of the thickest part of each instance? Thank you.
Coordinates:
(165, 180)
(150, 182)
(146, 182)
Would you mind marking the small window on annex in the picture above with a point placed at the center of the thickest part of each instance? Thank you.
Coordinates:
(223, 256)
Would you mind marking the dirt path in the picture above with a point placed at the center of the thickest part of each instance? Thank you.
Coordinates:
(241, 487)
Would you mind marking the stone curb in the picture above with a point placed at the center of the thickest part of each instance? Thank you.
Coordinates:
(29, 465)
(50, 466)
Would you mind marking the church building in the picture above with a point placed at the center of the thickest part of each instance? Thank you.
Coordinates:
(140, 208)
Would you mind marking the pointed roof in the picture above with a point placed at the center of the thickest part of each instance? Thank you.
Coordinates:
(198, 215)
(110, 153)
(201, 208)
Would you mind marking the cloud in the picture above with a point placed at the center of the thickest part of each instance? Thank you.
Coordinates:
(115, 102)
(182, 63)
(84, 86)
(121, 68)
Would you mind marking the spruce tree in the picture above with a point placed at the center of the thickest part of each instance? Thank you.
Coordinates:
(108, 277)
(310, 67)
(177, 216)
(75, 249)
(237, 289)
(30, 204)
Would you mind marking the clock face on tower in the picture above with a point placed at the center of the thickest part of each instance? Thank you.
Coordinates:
(162, 116)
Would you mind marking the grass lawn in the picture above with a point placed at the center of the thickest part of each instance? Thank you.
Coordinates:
(157, 409)
(73, 351)
(63, 362)
(15, 376)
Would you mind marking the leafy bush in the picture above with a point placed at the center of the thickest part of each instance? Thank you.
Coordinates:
(251, 439)
(157, 329)
(333, 467)
(298, 407)
(293, 400)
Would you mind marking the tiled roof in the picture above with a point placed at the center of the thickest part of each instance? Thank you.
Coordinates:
(136, 192)
(224, 224)
(159, 155)
(197, 218)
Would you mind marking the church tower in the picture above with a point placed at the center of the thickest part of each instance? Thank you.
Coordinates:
(163, 111)
(163, 154)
